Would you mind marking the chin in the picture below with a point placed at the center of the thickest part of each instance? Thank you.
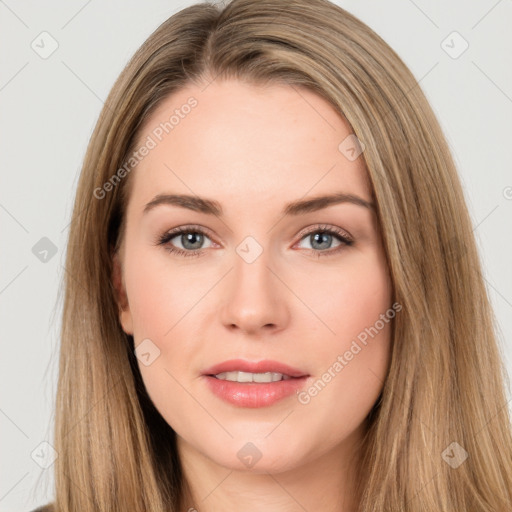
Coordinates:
(272, 462)
(257, 454)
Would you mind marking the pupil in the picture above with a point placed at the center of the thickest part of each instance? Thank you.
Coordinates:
(190, 237)
(324, 236)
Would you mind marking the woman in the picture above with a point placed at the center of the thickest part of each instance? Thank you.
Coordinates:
(258, 374)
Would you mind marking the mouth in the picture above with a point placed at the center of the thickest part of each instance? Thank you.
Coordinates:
(269, 371)
(254, 384)
(242, 377)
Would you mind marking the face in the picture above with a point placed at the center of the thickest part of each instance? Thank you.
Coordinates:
(302, 291)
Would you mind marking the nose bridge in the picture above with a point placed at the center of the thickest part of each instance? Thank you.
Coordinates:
(254, 298)
(252, 266)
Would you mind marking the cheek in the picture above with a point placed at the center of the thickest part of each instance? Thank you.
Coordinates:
(160, 297)
(339, 399)
(162, 302)
(160, 294)
(354, 352)
(349, 298)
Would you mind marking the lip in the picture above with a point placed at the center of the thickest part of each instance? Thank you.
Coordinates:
(254, 367)
(252, 394)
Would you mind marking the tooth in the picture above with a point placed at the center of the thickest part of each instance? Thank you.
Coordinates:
(262, 377)
(244, 377)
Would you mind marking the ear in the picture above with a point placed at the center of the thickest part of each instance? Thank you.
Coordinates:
(125, 316)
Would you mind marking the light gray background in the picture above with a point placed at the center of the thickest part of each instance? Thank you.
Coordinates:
(49, 108)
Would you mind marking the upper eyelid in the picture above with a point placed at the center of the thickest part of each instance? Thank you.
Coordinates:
(325, 227)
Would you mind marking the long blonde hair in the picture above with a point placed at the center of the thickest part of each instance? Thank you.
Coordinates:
(444, 395)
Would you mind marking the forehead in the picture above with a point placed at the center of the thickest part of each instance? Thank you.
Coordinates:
(238, 143)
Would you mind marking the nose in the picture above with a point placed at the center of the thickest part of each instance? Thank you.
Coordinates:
(254, 300)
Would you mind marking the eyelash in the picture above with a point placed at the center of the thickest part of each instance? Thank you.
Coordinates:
(166, 237)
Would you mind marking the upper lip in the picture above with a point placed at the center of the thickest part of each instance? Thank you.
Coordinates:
(254, 367)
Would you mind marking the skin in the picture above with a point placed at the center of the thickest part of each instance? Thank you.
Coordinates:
(254, 149)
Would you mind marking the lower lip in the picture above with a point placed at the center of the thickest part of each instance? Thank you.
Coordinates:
(251, 394)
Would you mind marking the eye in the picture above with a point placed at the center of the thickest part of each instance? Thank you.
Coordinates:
(322, 237)
(191, 239)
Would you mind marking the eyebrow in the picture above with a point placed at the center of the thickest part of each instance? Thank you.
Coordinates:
(212, 207)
